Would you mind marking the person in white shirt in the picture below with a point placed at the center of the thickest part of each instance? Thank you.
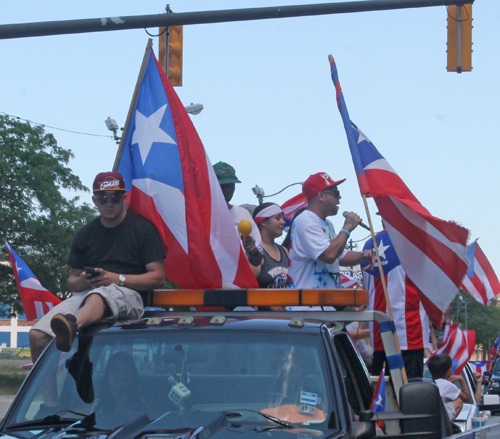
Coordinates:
(316, 251)
(226, 175)
(441, 368)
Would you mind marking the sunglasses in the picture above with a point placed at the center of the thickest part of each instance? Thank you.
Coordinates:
(104, 198)
(334, 193)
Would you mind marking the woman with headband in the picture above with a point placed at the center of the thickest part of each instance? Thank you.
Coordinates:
(274, 267)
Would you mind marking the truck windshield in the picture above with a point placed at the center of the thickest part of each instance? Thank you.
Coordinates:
(279, 374)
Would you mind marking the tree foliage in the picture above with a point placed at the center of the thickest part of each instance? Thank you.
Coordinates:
(484, 320)
(35, 217)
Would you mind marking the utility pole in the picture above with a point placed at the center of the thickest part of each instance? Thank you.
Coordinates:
(351, 246)
(104, 24)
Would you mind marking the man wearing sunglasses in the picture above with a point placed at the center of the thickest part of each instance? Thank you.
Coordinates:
(316, 251)
(113, 259)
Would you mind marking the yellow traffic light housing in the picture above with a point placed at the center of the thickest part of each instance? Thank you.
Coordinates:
(459, 38)
(170, 57)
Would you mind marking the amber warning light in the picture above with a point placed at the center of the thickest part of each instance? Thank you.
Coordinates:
(262, 297)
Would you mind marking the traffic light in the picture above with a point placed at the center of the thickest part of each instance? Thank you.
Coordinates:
(459, 38)
(170, 57)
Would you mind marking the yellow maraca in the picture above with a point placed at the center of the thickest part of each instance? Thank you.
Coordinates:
(245, 228)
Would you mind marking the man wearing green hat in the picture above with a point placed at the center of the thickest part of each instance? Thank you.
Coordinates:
(227, 179)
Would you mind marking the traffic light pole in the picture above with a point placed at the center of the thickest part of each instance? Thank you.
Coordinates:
(24, 30)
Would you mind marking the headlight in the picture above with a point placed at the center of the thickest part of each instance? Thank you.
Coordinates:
(496, 384)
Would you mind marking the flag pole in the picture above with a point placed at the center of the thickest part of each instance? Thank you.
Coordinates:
(384, 284)
(135, 96)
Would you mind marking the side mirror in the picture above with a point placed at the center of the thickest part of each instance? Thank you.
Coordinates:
(365, 427)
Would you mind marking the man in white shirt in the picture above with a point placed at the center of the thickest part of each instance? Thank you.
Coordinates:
(316, 251)
(226, 175)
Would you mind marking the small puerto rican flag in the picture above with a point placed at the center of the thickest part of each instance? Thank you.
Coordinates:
(378, 400)
(36, 300)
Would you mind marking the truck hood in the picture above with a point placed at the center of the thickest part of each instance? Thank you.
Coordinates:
(178, 425)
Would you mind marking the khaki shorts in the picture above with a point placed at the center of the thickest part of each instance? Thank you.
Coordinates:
(124, 303)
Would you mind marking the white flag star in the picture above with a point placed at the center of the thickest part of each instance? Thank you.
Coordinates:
(382, 248)
(147, 131)
(379, 401)
(362, 136)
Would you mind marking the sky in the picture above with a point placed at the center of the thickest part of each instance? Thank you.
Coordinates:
(269, 102)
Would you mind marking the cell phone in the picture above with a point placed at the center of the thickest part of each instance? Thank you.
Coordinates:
(91, 271)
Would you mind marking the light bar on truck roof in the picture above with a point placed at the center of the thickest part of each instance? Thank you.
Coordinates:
(262, 297)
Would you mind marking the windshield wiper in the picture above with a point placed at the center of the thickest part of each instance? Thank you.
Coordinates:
(54, 419)
(279, 421)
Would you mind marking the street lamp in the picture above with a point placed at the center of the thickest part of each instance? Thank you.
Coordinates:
(259, 192)
(112, 126)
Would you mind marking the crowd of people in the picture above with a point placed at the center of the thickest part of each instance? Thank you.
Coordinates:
(119, 256)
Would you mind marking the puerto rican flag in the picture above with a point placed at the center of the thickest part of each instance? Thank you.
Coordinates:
(410, 319)
(459, 345)
(378, 401)
(36, 300)
(494, 349)
(480, 366)
(294, 204)
(433, 252)
(480, 282)
(172, 184)
(348, 281)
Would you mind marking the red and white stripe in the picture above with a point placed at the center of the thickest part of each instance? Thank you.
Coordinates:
(459, 345)
(482, 283)
(348, 281)
(480, 366)
(432, 251)
(291, 206)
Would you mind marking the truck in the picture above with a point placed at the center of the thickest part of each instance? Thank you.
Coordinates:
(224, 371)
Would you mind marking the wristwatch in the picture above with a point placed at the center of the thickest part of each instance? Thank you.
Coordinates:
(122, 279)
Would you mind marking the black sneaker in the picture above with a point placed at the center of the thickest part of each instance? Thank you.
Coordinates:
(80, 368)
(64, 327)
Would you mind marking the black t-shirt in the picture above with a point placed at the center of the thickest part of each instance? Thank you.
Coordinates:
(124, 249)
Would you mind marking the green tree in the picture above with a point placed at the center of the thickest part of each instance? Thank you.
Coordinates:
(35, 217)
(484, 320)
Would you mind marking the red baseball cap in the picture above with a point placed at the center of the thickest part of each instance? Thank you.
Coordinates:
(108, 181)
(318, 182)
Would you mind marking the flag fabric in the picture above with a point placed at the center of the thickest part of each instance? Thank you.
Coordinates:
(172, 184)
(480, 366)
(459, 345)
(480, 282)
(348, 281)
(410, 319)
(432, 252)
(378, 401)
(494, 348)
(36, 300)
(291, 206)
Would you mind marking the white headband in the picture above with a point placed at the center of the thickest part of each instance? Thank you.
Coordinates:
(268, 212)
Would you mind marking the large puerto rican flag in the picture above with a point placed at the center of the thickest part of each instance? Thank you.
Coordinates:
(433, 252)
(172, 183)
(480, 282)
(36, 300)
(410, 319)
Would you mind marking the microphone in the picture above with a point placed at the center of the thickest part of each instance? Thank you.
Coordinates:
(360, 224)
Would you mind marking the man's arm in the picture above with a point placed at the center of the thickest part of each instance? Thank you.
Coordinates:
(153, 278)
(337, 244)
(354, 258)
